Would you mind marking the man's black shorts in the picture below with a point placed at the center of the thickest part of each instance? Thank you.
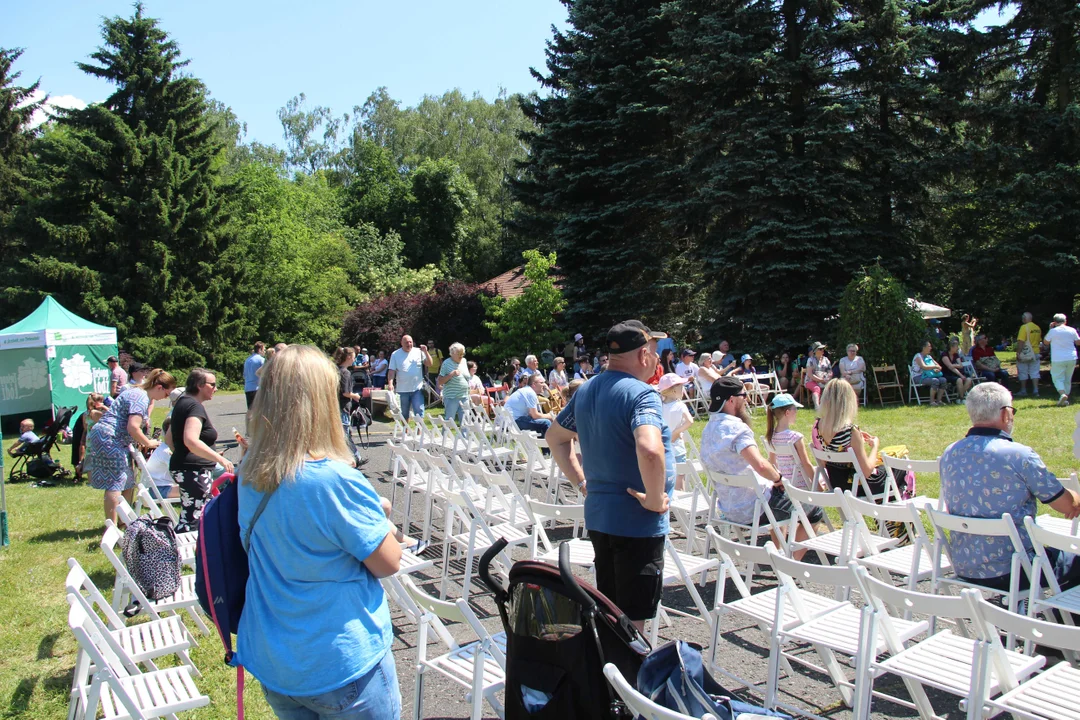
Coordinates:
(249, 395)
(781, 507)
(630, 571)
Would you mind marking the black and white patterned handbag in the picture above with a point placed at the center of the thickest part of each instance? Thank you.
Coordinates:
(152, 557)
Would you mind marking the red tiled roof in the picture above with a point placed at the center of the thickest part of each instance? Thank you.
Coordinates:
(513, 282)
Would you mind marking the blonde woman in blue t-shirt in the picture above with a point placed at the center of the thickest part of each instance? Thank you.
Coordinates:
(316, 628)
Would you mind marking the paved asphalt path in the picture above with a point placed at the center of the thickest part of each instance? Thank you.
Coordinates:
(742, 649)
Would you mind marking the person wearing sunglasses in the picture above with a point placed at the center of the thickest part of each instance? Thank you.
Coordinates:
(728, 446)
(193, 437)
(986, 474)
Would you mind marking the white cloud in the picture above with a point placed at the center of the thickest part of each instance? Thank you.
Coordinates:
(54, 101)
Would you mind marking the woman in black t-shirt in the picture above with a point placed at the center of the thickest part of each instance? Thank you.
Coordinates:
(193, 459)
(343, 358)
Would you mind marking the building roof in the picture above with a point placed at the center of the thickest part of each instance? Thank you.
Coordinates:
(513, 282)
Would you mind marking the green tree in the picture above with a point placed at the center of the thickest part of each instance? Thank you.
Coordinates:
(1014, 215)
(598, 165)
(311, 136)
(292, 259)
(380, 270)
(436, 213)
(875, 314)
(125, 215)
(16, 111)
(774, 195)
(525, 323)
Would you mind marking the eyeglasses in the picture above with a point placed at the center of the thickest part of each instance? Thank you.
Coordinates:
(1009, 407)
(211, 384)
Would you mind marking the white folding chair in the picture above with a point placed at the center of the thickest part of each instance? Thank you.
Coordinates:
(691, 506)
(1059, 524)
(497, 496)
(1050, 695)
(747, 532)
(759, 608)
(911, 562)
(957, 525)
(836, 542)
(142, 642)
(481, 679)
(183, 599)
(847, 457)
(145, 480)
(477, 537)
(641, 706)
(943, 660)
(837, 631)
(581, 550)
(1066, 602)
(697, 402)
(679, 569)
(117, 689)
(919, 467)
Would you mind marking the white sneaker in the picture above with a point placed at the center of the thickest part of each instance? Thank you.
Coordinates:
(1063, 401)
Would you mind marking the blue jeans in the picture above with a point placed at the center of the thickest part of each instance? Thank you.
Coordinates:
(412, 402)
(374, 696)
(527, 423)
(455, 408)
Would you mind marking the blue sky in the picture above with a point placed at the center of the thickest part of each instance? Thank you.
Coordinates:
(254, 56)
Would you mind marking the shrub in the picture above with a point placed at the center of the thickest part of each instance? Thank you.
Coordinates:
(875, 314)
(450, 312)
(526, 323)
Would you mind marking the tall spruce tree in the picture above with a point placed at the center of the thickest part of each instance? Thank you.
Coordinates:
(16, 111)
(125, 227)
(774, 195)
(1016, 213)
(597, 162)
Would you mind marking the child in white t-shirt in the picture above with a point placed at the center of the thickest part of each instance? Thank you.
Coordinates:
(676, 415)
(158, 466)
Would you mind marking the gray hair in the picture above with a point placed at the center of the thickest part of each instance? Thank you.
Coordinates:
(529, 359)
(457, 348)
(1026, 317)
(1060, 318)
(854, 347)
(985, 401)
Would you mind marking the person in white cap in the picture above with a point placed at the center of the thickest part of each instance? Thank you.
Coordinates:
(1062, 340)
(676, 415)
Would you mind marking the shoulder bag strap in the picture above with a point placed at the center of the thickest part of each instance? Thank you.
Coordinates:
(255, 518)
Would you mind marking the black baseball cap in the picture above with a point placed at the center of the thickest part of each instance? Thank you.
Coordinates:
(687, 351)
(723, 389)
(135, 367)
(111, 358)
(630, 335)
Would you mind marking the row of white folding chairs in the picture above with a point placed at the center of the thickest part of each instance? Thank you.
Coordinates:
(107, 643)
(792, 613)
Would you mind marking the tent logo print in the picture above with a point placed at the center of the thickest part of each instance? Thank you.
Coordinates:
(77, 371)
(58, 337)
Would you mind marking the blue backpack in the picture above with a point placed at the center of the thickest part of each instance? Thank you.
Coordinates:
(221, 569)
(674, 677)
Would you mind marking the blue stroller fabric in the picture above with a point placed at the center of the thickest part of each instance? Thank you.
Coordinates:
(674, 676)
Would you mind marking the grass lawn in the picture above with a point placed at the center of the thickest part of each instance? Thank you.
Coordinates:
(49, 525)
(37, 650)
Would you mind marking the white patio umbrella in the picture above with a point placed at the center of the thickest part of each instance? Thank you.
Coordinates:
(930, 311)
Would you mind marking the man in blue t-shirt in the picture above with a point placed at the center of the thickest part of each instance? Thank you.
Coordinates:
(252, 366)
(629, 468)
(524, 404)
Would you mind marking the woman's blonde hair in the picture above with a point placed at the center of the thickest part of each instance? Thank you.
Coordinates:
(838, 408)
(157, 376)
(295, 414)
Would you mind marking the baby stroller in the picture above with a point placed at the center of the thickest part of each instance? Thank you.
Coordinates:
(33, 461)
(559, 635)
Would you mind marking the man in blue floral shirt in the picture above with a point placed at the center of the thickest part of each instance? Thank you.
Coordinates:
(987, 474)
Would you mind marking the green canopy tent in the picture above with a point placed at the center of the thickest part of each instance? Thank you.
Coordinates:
(52, 358)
